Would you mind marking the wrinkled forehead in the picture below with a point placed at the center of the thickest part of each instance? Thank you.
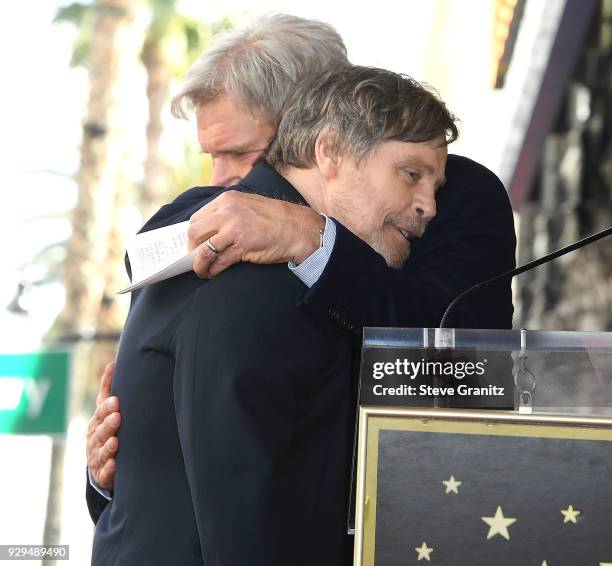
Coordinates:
(429, 157)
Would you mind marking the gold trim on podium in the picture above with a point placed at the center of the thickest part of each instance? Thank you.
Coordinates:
(458, 421)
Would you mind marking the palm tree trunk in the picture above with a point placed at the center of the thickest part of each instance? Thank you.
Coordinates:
(152, 194)
(115, 46)
(154, 190)
(114, 49)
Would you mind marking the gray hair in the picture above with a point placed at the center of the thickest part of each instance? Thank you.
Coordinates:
(260, 65)
(363, 107)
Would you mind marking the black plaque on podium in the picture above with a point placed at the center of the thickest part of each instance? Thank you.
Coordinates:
(441, 481)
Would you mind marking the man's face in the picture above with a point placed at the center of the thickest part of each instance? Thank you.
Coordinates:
(232, 136)
(387, 198)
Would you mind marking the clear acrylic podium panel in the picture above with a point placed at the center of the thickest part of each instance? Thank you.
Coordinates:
(532, 463)
(572, 371)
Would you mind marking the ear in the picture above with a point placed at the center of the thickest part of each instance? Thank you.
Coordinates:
(328, 153)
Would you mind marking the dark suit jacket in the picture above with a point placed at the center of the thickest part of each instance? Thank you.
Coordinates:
(237, 415)
(470, 239)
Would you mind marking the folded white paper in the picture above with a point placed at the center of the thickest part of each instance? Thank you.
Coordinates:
(158, 254)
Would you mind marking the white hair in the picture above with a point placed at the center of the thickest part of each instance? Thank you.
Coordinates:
(260, 64)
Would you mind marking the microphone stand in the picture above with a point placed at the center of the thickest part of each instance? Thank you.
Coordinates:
(517, 271)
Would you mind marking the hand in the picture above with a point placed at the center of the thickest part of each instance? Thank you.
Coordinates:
(251, 228)
(102, 444)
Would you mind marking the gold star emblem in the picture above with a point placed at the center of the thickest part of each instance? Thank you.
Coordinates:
(451, 485)
(570, 514)
(498, 524)
(424, 552)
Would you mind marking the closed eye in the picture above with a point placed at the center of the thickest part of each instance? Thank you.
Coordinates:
(241, 154)
(413, 175)
(232, 152)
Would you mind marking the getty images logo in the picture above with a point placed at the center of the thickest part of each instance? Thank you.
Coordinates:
(412, 369)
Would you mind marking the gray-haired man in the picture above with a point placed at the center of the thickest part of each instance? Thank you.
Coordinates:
(237, 89)
(250, 400)
(346, 279)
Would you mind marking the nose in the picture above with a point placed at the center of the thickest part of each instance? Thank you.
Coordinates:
(424, 202)
(225, 174)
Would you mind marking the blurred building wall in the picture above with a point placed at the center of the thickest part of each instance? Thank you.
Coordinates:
(571, 197)
(531, 84)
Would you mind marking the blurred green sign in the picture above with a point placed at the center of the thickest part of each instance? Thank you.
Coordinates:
(34, 392)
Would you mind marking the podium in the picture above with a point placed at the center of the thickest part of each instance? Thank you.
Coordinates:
(484, 447)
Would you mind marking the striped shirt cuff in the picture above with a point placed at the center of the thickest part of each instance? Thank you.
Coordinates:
(310, 270)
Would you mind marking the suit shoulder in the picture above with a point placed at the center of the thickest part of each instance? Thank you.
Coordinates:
(466, 168)
(198, 193)
(253, 290)
(256, 309)
(254, 293)
(182, 207)
(467, 176)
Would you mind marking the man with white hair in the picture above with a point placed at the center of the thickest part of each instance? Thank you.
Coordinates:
(248, 400)
(237, 89)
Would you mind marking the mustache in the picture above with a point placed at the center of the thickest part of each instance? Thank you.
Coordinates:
(415, 225)
(419, 226)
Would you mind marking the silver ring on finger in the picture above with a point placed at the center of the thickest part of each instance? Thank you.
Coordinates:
(211, 247)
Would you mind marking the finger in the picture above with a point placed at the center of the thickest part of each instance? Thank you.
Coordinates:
(105, 478)
(205, 210)
(107, 428)
(109, 406)
(213, 217)
(203, 260)
(221, 241)
(101, 435)
(229, 257)
(199, 231)
(105, 383)
(225, 202)
(107, 451)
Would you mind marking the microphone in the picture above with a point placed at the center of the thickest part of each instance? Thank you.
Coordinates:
(517, 271)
